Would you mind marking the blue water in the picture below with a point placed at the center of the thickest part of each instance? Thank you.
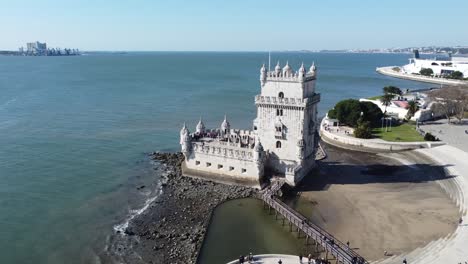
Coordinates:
(74, 132)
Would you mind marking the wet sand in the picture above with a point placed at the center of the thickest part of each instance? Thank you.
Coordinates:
(377, 204)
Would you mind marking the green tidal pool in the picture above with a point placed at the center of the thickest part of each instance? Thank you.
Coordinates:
(241, 226)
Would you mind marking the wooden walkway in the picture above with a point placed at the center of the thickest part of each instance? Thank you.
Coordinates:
(330, 244)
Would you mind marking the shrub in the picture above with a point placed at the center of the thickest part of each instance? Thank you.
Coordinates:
(426, 71)
(392, 90)
(430, 137)
(456, 75)
(363, 130)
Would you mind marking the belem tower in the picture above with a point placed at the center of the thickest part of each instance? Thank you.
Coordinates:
(281, 144)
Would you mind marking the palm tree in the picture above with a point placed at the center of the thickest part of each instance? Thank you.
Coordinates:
(412, 109)
(386, 100)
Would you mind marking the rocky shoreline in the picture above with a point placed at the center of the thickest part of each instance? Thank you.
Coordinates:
(173, 229)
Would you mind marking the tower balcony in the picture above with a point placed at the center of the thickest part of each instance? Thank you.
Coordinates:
(294, 102)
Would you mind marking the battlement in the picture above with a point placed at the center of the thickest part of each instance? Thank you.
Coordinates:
(224, 149)
(289, 77)
(272, 100)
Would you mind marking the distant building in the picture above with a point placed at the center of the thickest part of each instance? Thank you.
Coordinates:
(36, 48)
(282, 142)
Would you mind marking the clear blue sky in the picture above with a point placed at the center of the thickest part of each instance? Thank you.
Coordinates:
(232, 25)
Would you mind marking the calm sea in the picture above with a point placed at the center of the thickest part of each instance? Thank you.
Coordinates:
(74, 132)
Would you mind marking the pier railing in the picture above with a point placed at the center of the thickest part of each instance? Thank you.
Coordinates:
(341, 252)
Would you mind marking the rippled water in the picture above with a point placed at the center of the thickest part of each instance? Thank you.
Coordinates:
(74, 132)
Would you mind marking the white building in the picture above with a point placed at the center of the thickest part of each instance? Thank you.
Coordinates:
(439, 67)
(282, 142)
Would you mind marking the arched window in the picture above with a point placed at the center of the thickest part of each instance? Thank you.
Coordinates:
(281, 112)
(281, 95)
(435, 64)
(278, 144)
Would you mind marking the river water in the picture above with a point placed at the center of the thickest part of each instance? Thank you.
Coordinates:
(74, 132)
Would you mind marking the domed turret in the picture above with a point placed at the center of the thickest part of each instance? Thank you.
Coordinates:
(313, 69)
(183, 132)
(287, 70)
(185, 140)
(277, 69)
(225, 126)
(200, 129)
(263, 75)
(301, 72)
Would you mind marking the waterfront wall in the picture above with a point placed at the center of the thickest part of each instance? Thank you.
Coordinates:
(390, 72)
(370, 145)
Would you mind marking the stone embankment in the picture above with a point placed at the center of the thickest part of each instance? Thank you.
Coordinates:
(390, 72)
(172, 231)
(342, 140)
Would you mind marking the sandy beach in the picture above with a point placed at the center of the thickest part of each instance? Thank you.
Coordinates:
(376, 204)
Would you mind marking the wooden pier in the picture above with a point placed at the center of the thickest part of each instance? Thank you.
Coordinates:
(340, 251)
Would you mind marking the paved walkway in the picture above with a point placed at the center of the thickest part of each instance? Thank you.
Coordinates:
(274, 258)
(453, 134)
(454, 247)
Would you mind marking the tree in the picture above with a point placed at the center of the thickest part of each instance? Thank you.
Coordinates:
(349, 111)
(371, 112)
(386, 100)
(363, 130)
(426, 71)
(450, 101)
(392, 90)
(412, 109)
(456, 75)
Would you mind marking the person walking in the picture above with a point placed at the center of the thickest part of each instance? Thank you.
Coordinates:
(404, 261)
(300, 258)
(309, 257)
(280, 262)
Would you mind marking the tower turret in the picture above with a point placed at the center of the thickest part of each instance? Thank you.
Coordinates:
(185, 141)
(287, 70)
(200, 129)
(263, 75)
(313, 69)
(277, 69)
(225, 126)
(301, 73)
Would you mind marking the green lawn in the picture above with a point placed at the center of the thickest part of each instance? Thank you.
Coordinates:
(375, 97)
(405, 132)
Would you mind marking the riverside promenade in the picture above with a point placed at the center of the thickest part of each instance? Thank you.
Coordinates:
(452, 248)
(390, 72)
(343, 138)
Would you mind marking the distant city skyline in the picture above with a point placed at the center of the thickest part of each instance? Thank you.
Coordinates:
(208, 25)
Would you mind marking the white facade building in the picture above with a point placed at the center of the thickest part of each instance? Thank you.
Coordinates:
(282, 142)
(439, 67)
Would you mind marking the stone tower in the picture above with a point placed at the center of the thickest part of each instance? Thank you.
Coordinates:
(287, 119)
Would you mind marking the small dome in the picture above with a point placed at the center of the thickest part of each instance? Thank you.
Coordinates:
(287, 68)
(200, 126)
(184, 130)
(278, 67)
(302, 69)
(313, 68)
(225, 125)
